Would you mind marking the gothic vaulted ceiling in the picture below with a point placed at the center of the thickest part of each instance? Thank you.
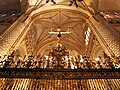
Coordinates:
(59, 16)
(49, 17)
(63, 19)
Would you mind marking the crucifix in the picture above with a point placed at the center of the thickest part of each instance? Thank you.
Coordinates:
(59, 52)
(59, 33)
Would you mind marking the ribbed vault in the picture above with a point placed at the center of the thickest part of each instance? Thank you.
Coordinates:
(66, 20)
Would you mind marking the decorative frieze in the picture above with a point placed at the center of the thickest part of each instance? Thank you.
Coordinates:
(60, 73)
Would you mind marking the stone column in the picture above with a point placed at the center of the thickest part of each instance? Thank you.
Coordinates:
(108, 36)
(30, 42)
(12, 36)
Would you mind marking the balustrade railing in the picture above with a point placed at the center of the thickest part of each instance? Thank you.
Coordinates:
(16, 67)
(50, 63)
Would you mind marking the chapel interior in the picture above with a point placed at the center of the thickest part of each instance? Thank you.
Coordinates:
(59, 45)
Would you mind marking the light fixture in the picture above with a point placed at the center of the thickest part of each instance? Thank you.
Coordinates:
(82, 2)
(74, 2)
(47, 1)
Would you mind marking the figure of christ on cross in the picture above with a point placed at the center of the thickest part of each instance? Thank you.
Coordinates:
(59, 33)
